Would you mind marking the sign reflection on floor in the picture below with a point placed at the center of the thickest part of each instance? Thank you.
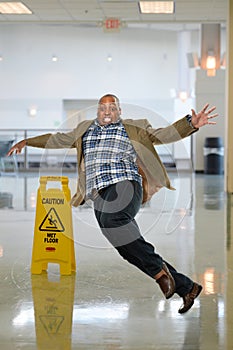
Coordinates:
(53, 309)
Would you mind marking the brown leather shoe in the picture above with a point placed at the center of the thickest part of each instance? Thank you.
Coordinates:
(188, 299)
(166, 282)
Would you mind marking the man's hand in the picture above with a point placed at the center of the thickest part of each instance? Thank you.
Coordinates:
(203, 117)
(17, 148)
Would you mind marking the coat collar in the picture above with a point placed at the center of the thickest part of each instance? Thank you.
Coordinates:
(83, 126)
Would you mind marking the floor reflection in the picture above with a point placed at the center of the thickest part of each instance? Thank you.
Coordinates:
(53, 309)
(214, 195)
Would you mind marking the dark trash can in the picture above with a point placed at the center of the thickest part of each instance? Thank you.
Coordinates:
(213, 155)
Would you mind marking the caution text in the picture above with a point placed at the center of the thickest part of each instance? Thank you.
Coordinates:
(52, 200)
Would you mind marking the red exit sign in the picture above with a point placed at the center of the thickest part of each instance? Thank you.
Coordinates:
(112, 24)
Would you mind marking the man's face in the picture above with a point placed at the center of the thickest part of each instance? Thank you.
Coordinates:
(108, 110)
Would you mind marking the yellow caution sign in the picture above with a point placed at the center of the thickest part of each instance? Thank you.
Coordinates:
(53, 232)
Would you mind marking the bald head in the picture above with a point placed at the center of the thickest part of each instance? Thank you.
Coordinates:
(110, 97)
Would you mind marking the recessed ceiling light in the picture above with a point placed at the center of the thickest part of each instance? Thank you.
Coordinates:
(157, 6)
(54, 58)
(14, 8)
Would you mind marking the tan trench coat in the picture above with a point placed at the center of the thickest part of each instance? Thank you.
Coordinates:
(143, 138)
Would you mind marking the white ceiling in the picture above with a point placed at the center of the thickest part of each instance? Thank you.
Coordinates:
(93, 12)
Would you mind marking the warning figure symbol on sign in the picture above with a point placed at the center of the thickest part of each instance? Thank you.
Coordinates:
(52, 222)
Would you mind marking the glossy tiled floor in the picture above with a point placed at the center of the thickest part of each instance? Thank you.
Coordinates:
(109, 304)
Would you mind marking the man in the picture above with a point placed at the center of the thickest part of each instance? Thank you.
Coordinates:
(119, 169)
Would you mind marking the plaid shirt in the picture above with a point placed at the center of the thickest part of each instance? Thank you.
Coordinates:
(109, 156)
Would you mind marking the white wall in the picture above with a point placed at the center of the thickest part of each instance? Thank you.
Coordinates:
(143, 69)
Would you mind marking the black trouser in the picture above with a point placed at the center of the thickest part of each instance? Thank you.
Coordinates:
(115, 209)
